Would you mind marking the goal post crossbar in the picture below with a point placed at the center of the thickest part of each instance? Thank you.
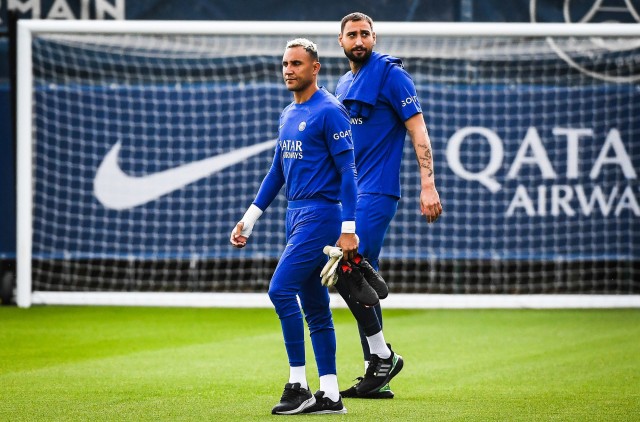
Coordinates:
(28, 28)
(449, 29)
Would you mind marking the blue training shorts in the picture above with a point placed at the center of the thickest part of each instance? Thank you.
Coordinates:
(311, 224)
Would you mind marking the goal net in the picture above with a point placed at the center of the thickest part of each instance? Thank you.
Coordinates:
(141, 144)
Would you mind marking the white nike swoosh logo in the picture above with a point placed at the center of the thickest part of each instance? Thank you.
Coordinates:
(117, 190)
(338, 96)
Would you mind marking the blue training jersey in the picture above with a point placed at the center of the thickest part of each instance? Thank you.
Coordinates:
(310, 134)
(379, 139)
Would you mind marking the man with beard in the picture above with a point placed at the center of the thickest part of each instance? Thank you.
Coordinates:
(383, 106)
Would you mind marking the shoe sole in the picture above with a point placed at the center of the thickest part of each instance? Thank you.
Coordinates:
(305, 404)
(353, 394)
(378, 395)
(329, 412)
(394, 371)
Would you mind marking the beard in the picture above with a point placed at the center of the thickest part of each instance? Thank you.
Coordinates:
(358, 59)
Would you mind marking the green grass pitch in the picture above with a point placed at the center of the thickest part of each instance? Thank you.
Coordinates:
(154, 364)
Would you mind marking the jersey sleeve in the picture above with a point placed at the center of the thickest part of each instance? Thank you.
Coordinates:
(337, 130)
(345, 163)
(402, 94)
(271, 184)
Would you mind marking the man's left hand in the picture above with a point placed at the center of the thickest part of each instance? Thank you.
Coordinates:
(430, 205)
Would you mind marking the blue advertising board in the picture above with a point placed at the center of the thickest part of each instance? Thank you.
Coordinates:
(522, 172)
(600, 206)
(535, 172)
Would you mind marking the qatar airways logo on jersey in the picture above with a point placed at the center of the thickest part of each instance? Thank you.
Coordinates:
(291, 149)
(563, 195)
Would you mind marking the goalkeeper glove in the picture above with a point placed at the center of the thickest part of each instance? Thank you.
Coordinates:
(328, 273)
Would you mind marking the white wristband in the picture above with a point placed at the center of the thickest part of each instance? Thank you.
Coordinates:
(348, 227)
(249, 219)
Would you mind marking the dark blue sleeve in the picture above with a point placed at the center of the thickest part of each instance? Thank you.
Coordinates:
(345, 164)
(337, 129)
(271, 184)
(402, 94)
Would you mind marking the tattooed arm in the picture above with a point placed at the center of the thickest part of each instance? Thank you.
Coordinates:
(430, 205)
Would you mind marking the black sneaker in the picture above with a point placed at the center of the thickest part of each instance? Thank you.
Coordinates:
(359, 289)
(374, 278)
(380, 372)
(324, 405)
(352, 392)
(294, 400)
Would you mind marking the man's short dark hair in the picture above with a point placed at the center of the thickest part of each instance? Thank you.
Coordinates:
(355, 16)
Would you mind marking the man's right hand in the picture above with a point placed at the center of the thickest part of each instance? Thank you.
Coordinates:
(349, 243)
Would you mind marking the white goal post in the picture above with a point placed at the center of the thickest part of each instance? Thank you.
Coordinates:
(546, 218)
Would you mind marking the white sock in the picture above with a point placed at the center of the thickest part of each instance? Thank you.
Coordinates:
(298, 374)
(329, 384)
(366, 365)
(377, 346)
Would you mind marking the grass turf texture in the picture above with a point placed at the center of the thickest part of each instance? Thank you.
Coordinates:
(112, 363)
